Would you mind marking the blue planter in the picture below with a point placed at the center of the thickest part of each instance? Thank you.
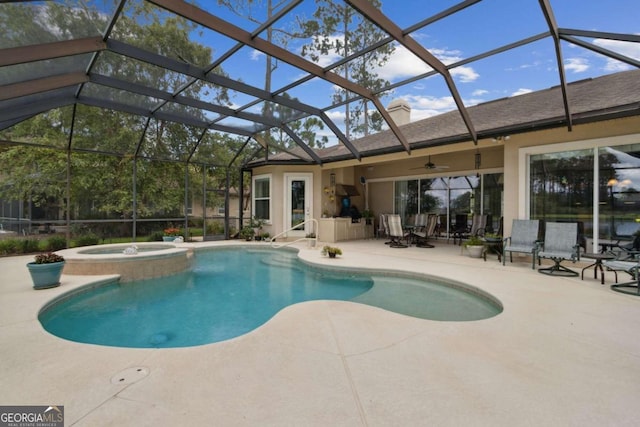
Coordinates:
(168, 238)
(45, 275)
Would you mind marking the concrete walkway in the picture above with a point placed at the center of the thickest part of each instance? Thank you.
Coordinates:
(564, 352)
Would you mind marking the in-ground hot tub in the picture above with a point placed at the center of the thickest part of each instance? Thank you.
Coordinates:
(151, 260)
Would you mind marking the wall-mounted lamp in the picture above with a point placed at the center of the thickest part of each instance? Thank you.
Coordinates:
(332, 179)
(501, 138)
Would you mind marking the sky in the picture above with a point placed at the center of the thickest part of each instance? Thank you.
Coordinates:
(479, 28)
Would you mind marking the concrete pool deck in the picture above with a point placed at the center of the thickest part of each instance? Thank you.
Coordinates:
(564, 352)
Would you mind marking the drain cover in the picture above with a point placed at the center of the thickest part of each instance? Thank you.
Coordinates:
(130, 375)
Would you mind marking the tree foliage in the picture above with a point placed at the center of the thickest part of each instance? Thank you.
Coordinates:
(102, 183)
(336, 28)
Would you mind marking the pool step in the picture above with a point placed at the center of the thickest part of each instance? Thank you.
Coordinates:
(279, 260)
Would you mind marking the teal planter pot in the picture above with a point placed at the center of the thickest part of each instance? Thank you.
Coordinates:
(168, 238)
(45, 275)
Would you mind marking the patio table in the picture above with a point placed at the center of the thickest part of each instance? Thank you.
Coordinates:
(597, 265)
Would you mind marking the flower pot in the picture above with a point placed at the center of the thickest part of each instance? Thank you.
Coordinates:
(168, 238)
(45, 275)
(475, 251)
(331, 254)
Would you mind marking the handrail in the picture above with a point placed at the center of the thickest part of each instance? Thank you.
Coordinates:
(296, 227)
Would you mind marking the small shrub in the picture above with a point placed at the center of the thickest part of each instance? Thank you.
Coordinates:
(27, 246)
(156, 236)
(55, 243)
(87, 240)
(8, 246)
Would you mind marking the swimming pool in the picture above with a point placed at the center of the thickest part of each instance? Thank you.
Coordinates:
(231, 292)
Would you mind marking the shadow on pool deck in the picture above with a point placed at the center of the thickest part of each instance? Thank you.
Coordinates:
(563, 352)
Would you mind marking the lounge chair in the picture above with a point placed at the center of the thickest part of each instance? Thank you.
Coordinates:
(396, 233)
(422, 235)
(560, 244)
(523, 239)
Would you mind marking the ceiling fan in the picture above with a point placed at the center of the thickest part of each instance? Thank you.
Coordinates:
(431, 165)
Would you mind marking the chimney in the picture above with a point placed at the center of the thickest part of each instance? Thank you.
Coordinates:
(399, 111)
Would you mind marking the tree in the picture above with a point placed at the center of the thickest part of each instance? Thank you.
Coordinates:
(336, 28)
(305, 128)
(101, 184)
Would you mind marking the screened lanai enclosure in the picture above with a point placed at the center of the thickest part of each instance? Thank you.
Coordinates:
(127, 117)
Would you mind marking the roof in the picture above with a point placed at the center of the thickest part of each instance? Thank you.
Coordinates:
(592, 100)
(193, 66)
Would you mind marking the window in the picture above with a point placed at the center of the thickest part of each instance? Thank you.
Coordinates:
(262, 197)
(594, 183)
(451, 196)
(619, 191)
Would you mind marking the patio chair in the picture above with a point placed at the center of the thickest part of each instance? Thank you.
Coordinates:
(422, 235)
(396, 233)
(628, 266)
(523, 239)
(560, 244)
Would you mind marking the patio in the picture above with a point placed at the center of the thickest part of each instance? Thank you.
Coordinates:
(563, 352)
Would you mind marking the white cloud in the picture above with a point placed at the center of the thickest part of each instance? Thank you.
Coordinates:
(577, 65)
(631, 50)
(428, 106)
(404, 64)
(521, 91)
(255, 55)
(465, 74)
(479, 92)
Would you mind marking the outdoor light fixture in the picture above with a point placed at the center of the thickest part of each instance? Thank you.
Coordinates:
(332, 179)
(501, 138)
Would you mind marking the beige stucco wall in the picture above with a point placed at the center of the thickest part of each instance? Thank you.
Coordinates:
(496, 156)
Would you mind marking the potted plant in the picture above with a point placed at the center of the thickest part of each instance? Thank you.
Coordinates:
(46, 270)
(474, 246)
(265, 236)
(247, 233)
(256, 223)
(492, 237)
(332, 251)
(368, 216)
(170, 234)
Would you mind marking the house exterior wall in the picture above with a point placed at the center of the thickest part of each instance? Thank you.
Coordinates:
(380, 171)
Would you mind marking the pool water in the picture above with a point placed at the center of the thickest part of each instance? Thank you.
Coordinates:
(233, 291)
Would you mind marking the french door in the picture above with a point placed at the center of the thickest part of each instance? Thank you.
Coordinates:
(298, 203)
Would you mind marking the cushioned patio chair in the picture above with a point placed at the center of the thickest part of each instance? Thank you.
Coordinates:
(523, 239)
(560, 244)
(396, 232)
